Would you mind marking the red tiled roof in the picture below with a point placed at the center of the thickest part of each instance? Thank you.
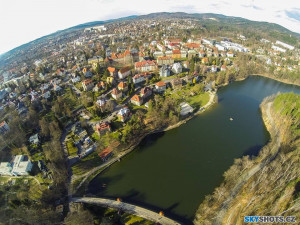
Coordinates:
(102, 126)
(136, 98)
(160, 84)
(111, 69)
(122, 85)
(176, 52)
(145, 63)
(115, 91)
(124, 69)
(164, 57)
(105, 153)
(88, 81)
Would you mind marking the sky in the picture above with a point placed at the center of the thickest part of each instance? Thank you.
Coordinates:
(25, 20)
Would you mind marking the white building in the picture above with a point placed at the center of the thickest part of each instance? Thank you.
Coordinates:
(276, 48)
(5, 169)
(185, 109)
(21, 167)
(290, 47)
(177, 68)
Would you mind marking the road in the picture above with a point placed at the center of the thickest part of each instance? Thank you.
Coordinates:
(132, 209)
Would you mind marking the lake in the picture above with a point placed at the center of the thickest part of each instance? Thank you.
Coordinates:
(174, 170)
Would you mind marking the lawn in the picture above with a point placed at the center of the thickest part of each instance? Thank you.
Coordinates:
(86, 164)
(72, 150)
(198, 100)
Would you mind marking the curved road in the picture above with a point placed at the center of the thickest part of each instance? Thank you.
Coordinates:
(132, 209)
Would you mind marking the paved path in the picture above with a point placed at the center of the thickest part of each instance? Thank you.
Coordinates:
(132, 209)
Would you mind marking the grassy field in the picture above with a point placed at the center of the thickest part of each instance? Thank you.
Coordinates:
(72, 150)
(198, 100)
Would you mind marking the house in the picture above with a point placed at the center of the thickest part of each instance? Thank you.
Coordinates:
(205, 60)
(138, 78)
(214, 69)
(160, 86)
(87, 85)
(88, 74)
(136, 100)
(192, 54)
(158, 54)
(145, 66)
(177, 68)
(102, 128)
(4, 127)
(185, 109)
(124, 114)
(47, 95)
(230, 54)
(201, 54)
(110, 80)
(34, 139)
(176, 54)
(99, 86)
(165, 60)
(75, 79)
(101, 102)
(106, 153)
(176, 83)
(146, 92)
(112, 71)
(223, 68)
(122, 86)
(116, 94)
(164, 71)
(124, 72)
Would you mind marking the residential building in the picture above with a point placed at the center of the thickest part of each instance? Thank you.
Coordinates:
(106, 153)
(146, 92)
(99, 86)
(136, 100)
(124, 72)
(87, 85)
(116, 94)
(160, 86)
(103, 128)
(158, 54)
(165, 60)
(146, 66)
(177, 68)
(164, 71)
(124, 114)
(112, 71)
(4, 127)
(122, 86)
(185, 109)
(34, 139)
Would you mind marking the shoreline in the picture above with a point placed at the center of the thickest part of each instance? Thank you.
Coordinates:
(274, 78)
(133, 146)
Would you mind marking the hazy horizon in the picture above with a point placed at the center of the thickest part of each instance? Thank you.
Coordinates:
(32, 19)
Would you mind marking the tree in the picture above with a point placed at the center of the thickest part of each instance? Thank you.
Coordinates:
(45, 131)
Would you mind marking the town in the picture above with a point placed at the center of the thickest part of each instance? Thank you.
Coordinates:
(94, 93)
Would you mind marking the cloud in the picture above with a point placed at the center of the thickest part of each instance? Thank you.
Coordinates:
(253, 7)
(295, 14)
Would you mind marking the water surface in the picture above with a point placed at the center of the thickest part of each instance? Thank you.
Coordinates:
(173, 171)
